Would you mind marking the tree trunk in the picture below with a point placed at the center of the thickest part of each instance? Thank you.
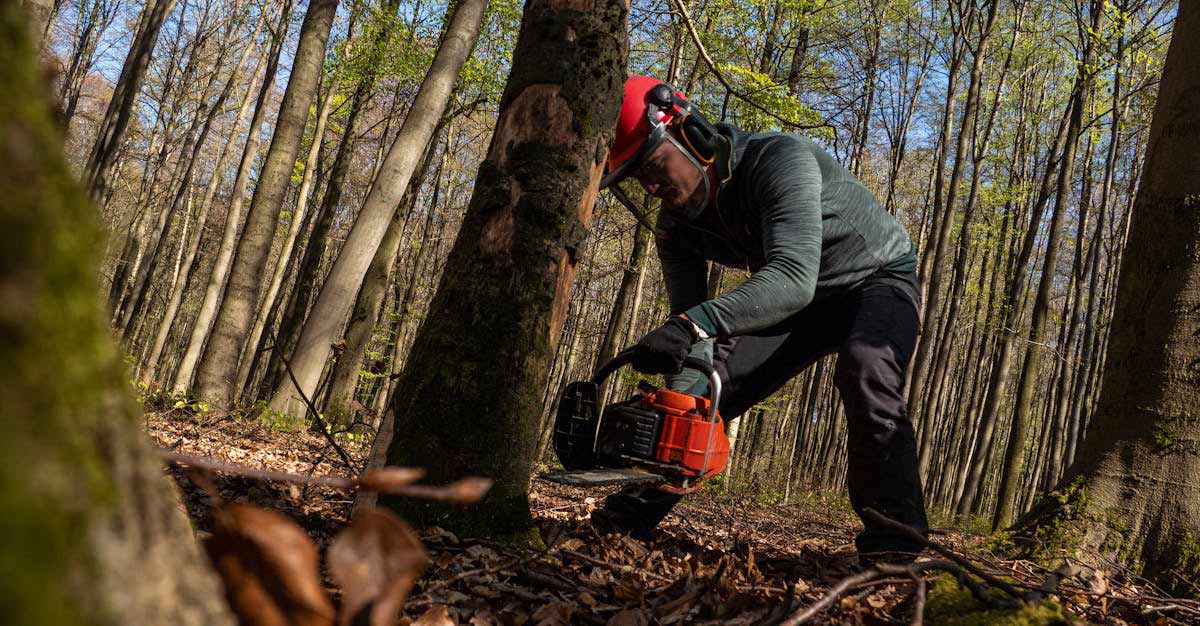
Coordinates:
(335, 299)
(220, 271)
(1134, 492)
(179, 286)
(617, 330)
(938, 255)
(217, 375)
(1012, 313)
(491, 329)
(1014, 457)
(343, 380)
(120, 108)
(196, 136)
(97, 531)
(279, 271)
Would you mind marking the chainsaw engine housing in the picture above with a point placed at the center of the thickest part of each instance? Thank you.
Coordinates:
(671, 434)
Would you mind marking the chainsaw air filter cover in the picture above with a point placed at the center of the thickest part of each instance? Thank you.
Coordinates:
(575, 425)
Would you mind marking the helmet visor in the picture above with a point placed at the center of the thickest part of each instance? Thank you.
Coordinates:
(671, 173)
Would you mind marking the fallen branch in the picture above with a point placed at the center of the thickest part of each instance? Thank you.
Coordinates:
(877, 573)
(389, 480)
(919, 601)
(913, 534)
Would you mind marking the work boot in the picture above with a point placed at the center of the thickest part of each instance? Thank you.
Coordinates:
(894, 557)
(635, 512)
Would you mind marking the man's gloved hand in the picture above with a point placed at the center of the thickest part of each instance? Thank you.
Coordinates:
(663, 349)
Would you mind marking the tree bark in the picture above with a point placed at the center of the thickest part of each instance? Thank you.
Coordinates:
(217, 375)
(335, 299)
(491, 329)
(1134, 492)
(220, 271)
(99, 535)
(120, 108)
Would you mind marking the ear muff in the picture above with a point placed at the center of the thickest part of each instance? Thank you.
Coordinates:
(696, 133)
(699, 136)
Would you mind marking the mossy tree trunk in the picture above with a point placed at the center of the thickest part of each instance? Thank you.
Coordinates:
(91, 532)
(469, 398)
(1134, 492)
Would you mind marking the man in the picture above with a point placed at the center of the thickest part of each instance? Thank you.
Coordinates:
(832, 272)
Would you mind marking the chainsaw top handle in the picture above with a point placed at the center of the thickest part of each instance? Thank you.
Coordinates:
(625, 357)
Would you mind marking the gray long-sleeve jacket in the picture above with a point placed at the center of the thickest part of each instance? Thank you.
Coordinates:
(793, 216)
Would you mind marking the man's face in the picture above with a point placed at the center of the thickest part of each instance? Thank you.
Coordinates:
(669, 175)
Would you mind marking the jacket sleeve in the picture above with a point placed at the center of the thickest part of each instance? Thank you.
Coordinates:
(786, 185)
(685, 276)
(684, 271)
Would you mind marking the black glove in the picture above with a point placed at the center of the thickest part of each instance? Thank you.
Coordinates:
(663, 349)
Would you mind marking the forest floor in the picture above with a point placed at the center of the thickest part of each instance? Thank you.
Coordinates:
(719, 558)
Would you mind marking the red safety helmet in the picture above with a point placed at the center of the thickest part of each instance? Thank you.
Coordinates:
(634, 123)
(648, 109)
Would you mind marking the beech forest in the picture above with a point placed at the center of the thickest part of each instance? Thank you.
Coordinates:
(330, 312)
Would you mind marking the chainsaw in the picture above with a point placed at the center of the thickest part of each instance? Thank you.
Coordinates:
(658, 437)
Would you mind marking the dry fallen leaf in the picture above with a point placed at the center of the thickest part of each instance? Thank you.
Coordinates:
(437, 615)
(555, 614)
(468, 490)
(269, 567)
(629, 617)
(375, 562)
(629, 589)
(387, 479)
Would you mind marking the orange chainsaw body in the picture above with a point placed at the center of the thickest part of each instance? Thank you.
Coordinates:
(690, 438)
(665, 438)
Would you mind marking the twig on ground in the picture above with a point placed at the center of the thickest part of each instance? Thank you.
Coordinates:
(425, 598)
(918, 601)
(610, 566)
(324, 428)
(390, 480)
(912, 533)
(878, 573)
(1163, 608)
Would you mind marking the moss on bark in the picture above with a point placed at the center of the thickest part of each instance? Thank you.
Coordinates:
(89, 529)
(951, 605)
(469, 399)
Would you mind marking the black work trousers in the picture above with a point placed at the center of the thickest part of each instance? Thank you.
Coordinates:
(873, 329)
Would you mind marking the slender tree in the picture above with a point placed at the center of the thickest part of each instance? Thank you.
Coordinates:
(335, 300)
(100, 162)
(216, 378)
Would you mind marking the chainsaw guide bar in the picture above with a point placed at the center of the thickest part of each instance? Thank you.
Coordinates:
(603, 477)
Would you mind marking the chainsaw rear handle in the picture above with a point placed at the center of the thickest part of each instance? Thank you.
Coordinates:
(625, 357)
